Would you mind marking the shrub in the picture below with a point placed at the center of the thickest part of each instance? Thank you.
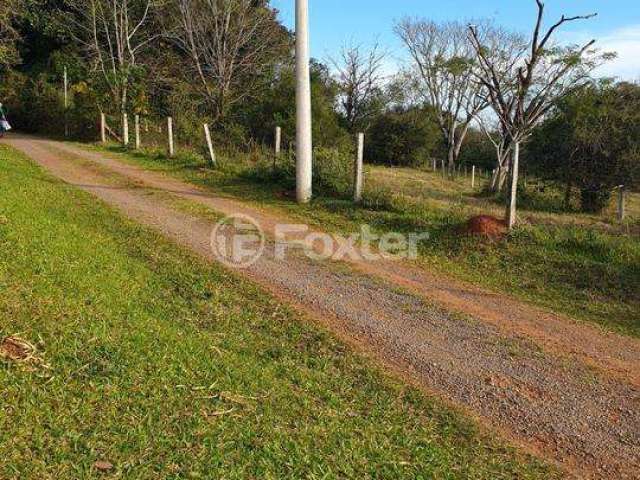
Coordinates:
(402, 137)
(333, 171)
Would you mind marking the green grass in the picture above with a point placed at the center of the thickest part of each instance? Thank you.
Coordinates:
(584, 266)
(169, 367)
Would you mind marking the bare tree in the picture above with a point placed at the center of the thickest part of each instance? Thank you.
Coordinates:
(360, 78)
(443, 60)
(505, 50)
(114, 33)
(524, 89)
(230, 44)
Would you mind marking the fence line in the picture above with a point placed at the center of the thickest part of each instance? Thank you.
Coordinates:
(116, 128)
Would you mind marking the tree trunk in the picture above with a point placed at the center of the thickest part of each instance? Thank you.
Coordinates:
(503, 174)
(499, 177)
(567, 194)
(451, 159)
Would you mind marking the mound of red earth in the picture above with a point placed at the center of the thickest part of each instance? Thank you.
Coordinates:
(486, 226)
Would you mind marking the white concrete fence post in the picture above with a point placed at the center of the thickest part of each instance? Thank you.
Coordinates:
(66, 103)
(278, 141)
(125, 129)
(358, 171)
(170, 135)
(621, 203)
(207, 134)
(511, 207)
(103, 128)
(137, 131)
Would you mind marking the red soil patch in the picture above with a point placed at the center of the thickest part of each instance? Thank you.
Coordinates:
(487, 226)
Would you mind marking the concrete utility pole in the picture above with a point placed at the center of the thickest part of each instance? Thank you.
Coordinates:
(103, 128)
(304, 145)
(137, 130)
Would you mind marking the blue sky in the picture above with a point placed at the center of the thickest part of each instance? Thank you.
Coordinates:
(335, 22)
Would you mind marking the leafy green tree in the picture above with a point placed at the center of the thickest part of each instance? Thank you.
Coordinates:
(592, 143)
(277, 108)
(404, 136)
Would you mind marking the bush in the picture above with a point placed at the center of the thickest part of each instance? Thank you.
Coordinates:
(333, 171)
(402, 137)
(594, 201)
(540, 195)
(477, 150)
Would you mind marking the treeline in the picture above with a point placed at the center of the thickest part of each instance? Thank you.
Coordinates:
(230, 63)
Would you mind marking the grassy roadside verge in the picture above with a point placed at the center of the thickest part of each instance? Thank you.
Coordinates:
(586, 273)
(171, 368)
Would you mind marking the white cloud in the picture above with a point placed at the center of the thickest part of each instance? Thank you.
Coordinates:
(623, 41)
(626, 43)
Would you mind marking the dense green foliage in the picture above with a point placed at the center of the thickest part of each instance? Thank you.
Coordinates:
(277, 107)
(592, 143)
(9, 11)
(478, 150)
(403, 137)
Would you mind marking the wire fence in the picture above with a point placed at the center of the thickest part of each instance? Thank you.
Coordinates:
(177, 139)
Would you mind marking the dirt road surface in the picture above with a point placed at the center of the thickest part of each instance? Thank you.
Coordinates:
(566, 391)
